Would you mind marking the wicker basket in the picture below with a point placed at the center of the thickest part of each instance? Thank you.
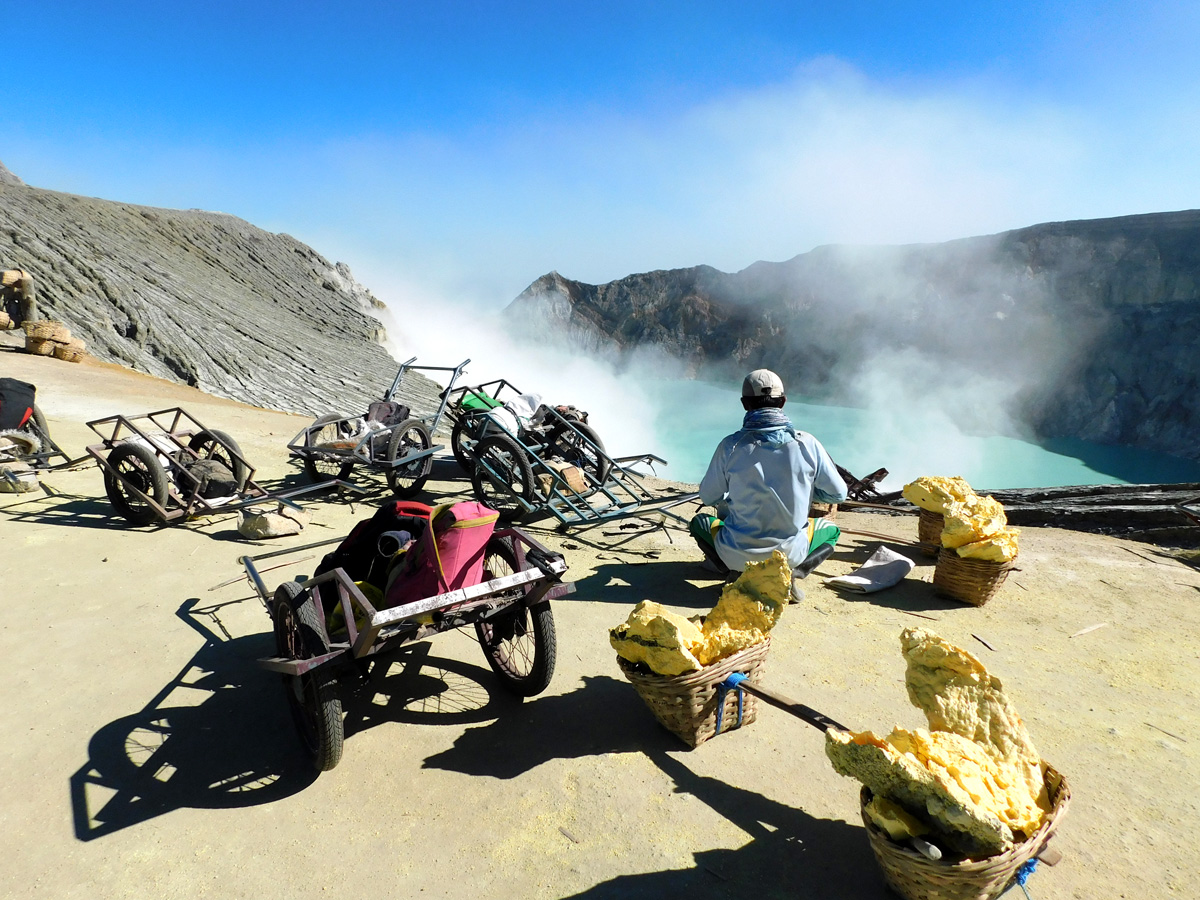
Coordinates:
(818, 510)
(686, 705)
(929, 531)
(72, 351)
(973, 581)
(45, 330)
(915, 877)
(40, 346)
(5, 321)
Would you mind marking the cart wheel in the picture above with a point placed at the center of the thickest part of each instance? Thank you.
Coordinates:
(313, 697)
(410, 436)
(133, 466)
(464, 437)
(319, 469)
(570, 446)
(501, 475)
(520, 644)
(38, 421)
(220, 447)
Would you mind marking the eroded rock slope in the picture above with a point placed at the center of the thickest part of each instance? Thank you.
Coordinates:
(202, 298)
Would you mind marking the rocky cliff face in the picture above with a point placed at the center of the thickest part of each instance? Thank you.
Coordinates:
(201, 298)
(1082, 329)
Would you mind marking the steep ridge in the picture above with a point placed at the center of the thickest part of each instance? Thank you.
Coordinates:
(202, 298)
(1078, 329)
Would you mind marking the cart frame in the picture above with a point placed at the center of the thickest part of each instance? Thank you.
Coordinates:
(365, 451)
(165, 436)
(311, 680)
(612, 487)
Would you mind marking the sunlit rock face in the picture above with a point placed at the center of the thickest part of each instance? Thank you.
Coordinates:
(1078, 329)
(202, 298)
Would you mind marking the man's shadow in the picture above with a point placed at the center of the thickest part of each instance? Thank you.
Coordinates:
(791, 853)
(628, 583)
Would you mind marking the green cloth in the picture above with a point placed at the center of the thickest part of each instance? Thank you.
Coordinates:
(479, 400)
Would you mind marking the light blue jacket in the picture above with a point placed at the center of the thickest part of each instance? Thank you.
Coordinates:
(761, 483)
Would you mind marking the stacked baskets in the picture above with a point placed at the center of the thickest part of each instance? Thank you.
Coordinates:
(694, 707)
(915, 877)
(47, 338)
(973, 581)
(929, 531)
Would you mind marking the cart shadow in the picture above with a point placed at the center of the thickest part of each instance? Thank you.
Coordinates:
(602, 717)
(411, 686)
(216, 736)
(70, 511)
(668, 582)
(791, 854)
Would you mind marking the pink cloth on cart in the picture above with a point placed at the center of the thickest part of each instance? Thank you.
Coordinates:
(448, 555)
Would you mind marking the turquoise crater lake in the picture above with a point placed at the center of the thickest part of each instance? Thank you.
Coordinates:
(909, 443)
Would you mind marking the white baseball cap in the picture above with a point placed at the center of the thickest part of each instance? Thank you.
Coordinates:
(762, 383)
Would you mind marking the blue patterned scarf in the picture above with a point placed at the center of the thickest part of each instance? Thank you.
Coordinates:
(766, 418)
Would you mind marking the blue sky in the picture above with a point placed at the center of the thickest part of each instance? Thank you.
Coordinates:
(458, 150)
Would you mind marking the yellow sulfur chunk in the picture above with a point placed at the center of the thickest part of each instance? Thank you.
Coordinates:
(661, 639)
(999, 547)
(973, 776)
(669, 644)
(903, 778)
(959, 695)
(935, 492)
(972, 520)
(747, 610)
(894, 820)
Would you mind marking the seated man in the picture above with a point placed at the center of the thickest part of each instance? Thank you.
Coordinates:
(761, 481)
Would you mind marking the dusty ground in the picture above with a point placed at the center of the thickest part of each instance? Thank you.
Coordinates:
(145, 755)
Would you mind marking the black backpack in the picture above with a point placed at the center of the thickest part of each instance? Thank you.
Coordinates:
(16, 403)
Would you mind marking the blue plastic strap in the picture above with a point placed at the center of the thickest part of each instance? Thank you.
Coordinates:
(733, 681)
(1023, 873)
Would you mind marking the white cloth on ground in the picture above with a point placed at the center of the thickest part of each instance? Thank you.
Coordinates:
(883, 569)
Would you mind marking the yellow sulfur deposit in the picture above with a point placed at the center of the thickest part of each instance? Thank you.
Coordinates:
(999, 547)
(661, 639)
(747, 610)
(975, 779)
(894, 820)
(670, 644)
(935, 492)
(972, 520)
(975, 526)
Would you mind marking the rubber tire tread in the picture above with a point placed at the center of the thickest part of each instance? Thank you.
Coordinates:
(113, 483)
(526, 472)
(310, 466)
(393, 480)
(541, 619)
(330, 730)
(465, 460)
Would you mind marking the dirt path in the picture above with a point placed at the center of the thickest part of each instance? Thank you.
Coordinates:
(146, 756)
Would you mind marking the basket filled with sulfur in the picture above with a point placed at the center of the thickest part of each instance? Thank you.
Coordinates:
(686, 670)
(957, 810)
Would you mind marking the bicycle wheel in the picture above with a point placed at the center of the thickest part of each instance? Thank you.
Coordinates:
(132, 468)
(502, 477)
(220, 447)
(410, 436)
(320, 466)
(520, 643)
